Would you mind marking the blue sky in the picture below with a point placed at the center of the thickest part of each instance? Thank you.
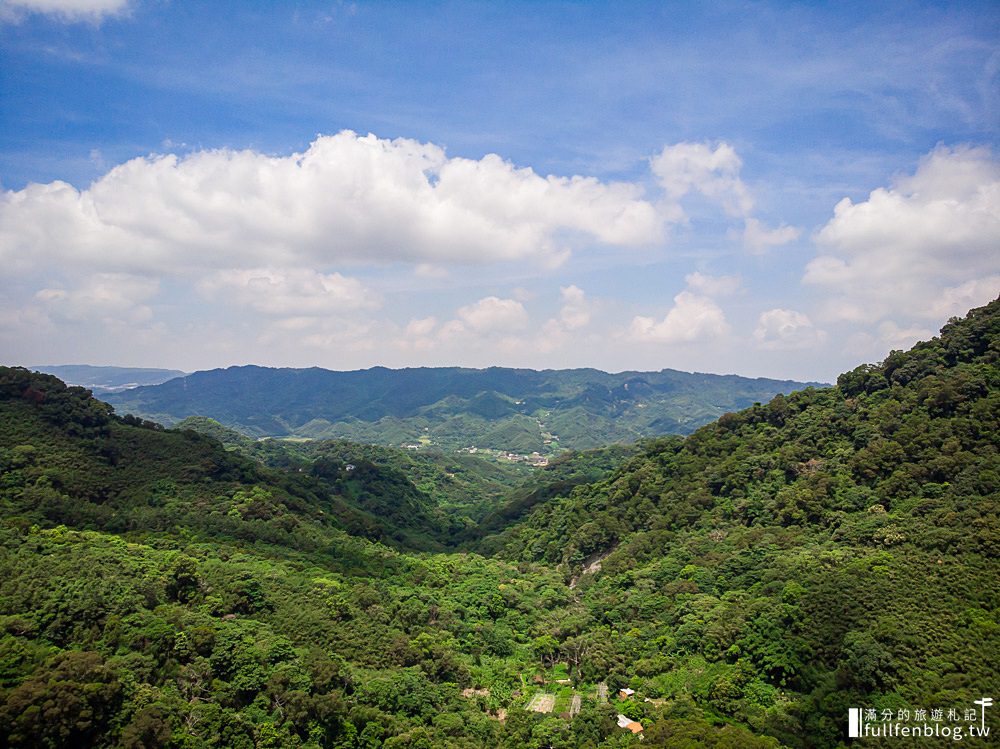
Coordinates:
(761, 188)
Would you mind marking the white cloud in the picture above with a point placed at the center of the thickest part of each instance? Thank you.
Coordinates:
(569, 328)
(576, 310)
(347, 198)
(692, 318)
(785, 329)
(957, 300)
(893, 336)
(713, 285)
(912, 248)
(757, 238)
(426, 270)
(336, 334)
(66, 10)
(290, 291)
(451, 331)
(104, 296)
(422, 327)
(287, 338)
(697, 167)
(492, 315)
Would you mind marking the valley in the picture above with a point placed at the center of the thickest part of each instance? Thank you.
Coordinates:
(741, 586)
(516, 411)
(499, 375)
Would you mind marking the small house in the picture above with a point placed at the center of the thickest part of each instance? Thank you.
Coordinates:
(633, 725)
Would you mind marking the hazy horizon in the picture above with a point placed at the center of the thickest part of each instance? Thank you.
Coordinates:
(186, 373)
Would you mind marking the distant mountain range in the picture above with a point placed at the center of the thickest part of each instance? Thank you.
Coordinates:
(518, 410)
(834, 547)
(108, 379)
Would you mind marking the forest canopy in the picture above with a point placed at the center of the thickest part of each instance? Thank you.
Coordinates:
(831, 548)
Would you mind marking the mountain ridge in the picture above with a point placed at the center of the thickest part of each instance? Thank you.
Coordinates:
(834, 548)
(502, 408)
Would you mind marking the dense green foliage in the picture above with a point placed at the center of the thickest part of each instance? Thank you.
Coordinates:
(466, 486)
(558, 479)
(483, 494)
(507, 409)
(841, 544)
(68, 460)
(834, 548)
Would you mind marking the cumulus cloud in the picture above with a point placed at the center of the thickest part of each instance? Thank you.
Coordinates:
(913, 247)
(894, 336)
(290, 291)
(757, 238)
(957, 300)
(421, 327)
(491, 314)
(102, 296)
(575, 315)
(697, 167)
(347, 198)
(713, 285)
(576, 309)
(785, 329)
(65, 10)
(302, 338)
(692, 318)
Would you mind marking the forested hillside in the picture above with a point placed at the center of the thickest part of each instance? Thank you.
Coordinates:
(71, 461)
(466, 486)
(834, 548)
(841, 545)
(520, 410)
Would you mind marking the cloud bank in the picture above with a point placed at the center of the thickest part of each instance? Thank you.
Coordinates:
(366, 250)
(928, 246)
(295, 291)
(346, 199)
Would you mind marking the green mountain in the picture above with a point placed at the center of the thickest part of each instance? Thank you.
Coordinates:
(465, 486)
(77, 464)
(836, 548)
(155, 585)
(108, 379)
(505, 409)
(839, 545)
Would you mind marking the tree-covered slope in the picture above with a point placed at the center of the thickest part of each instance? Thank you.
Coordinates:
(509, 409)
(464, 486)
(915, 435)
(841, 545)
(67, 459)
(832, 549)
(159, 591)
